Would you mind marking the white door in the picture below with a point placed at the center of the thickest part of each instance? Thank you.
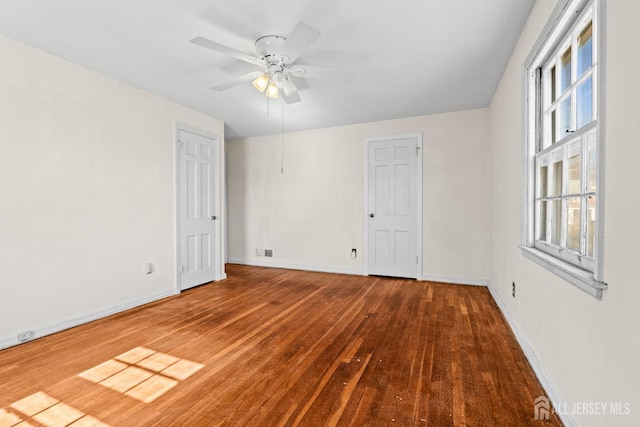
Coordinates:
(392, 202)
(197, 209)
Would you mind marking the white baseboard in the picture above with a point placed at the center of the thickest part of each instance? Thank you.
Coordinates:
(454, 280)
(10, 341)
(356, 272)
(317, 268)
(547, 383)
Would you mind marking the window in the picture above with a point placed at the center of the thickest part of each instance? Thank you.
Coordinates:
(563, 142)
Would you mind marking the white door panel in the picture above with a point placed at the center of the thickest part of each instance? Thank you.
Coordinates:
(392, 228)
(197, 209)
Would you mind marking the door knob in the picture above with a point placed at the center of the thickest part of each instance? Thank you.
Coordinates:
(214, 217)
(371, 215)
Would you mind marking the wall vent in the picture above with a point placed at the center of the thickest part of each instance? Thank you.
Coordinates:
(264, 252)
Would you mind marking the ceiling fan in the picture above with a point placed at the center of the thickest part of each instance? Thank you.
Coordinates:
(275, 57)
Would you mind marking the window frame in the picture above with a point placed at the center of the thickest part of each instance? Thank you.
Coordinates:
(584, 272)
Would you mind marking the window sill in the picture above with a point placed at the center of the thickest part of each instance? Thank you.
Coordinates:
(576, 276)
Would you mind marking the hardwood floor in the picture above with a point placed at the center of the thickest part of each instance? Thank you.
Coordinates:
(270, 347)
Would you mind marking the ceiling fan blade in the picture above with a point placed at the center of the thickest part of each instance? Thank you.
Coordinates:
(210, 44)
(238, 80)
(321, 73)
(292, 99)
(298, 41)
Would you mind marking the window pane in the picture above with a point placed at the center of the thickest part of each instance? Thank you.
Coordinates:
(565, 118)
(553, 83)
(585, 49)
(591, 226)
(542, 182)
(557, 179)
(556, 221)
(592, 169)
(565, 70)
(573, 223)
(584, 101)
(573, 181)
(542, 220)
(563, 80)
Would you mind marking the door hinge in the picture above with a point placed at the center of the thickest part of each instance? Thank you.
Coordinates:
(417, 151)
(416, 259)
(181, 144)
(181, 269)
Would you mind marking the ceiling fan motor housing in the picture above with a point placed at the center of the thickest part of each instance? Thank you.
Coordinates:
(268, 47)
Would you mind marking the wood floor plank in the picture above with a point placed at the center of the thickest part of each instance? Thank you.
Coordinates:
(276, 347)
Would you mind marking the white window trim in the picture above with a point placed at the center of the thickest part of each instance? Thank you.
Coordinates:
(562, 16)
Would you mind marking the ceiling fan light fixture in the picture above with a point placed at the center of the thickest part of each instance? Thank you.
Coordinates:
(288, 87)
(261, 82)
(272, 90)
(277, 77)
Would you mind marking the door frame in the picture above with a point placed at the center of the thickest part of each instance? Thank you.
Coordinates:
(217, 188)
(365, 214)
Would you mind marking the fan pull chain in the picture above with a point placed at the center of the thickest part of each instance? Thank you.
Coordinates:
(282, 141)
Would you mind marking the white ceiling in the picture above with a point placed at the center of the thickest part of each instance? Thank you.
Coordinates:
(411, 57)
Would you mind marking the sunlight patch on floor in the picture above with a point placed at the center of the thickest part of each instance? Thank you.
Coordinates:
(47, 411)
(141, 373)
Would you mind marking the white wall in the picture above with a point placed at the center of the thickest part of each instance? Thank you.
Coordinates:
(312, 215)
(87, 192)
(589, 348)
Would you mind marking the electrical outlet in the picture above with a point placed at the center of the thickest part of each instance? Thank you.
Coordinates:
(354, 253)
(259, 252)
(25, 336)
(513, 289)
